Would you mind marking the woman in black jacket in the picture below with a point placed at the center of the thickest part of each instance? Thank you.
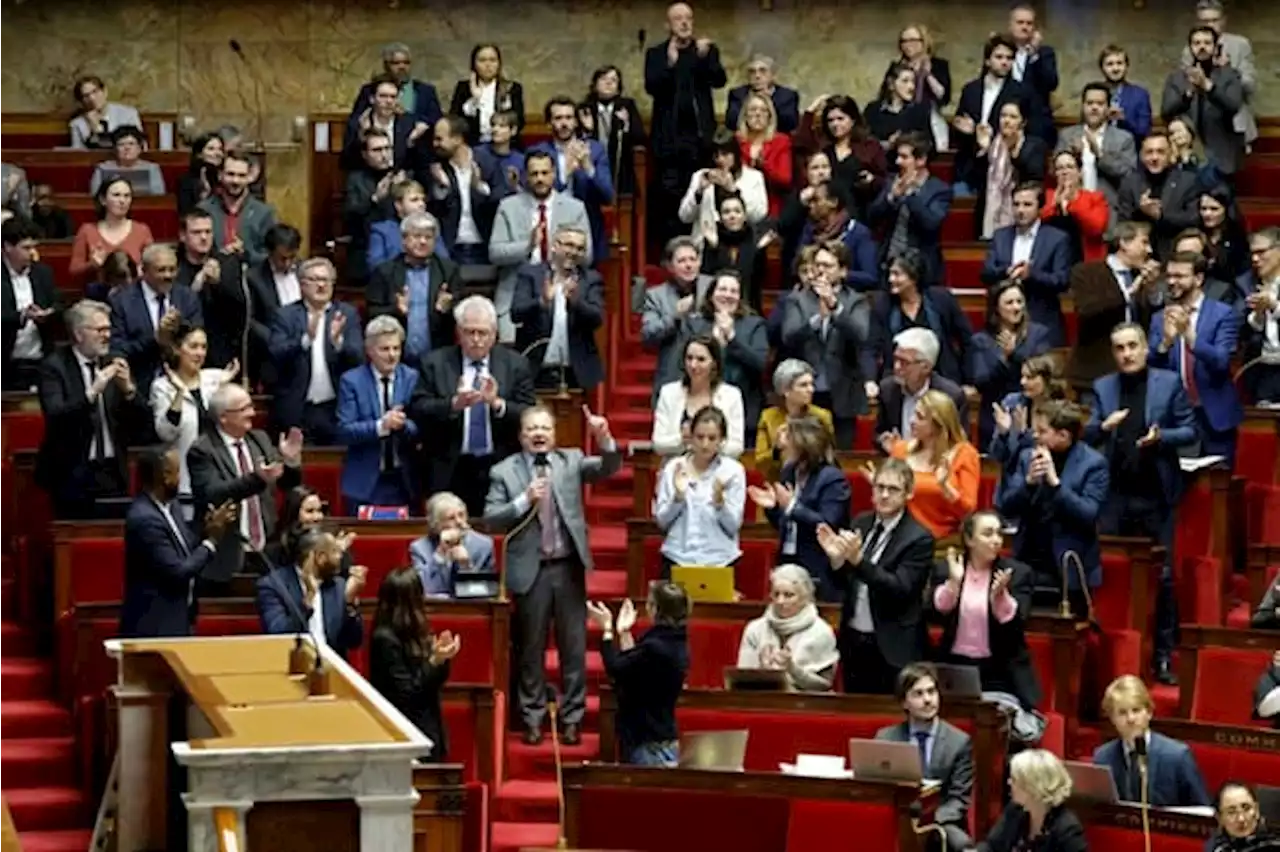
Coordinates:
(908, 304)
(648, 675)
(201, 178)
(303, 508)
(408, 664)
(487, 91)
(1036, 818)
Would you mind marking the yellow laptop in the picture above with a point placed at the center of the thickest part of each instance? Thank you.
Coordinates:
(705, 583)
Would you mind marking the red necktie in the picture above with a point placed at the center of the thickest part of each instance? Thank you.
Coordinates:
(543, 243)
(257, 536)
(1189, 373)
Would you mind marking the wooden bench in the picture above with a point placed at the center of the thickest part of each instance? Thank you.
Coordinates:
(28, 130)
(70, 171)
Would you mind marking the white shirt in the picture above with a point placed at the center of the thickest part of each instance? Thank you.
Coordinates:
(991, 89)
(152, 298)
(557, 354)
(862, 620)
(1023, 242)
(1122, 272)
(1268, 323)
(28, 345)
(108, 449)
(468, 232)
(287, 289)
(315, 624)
(469, 380)
(1088, 160)
(1189, 339)
(320, 389)
(243, 513)
(483, 108)
(1021, 60)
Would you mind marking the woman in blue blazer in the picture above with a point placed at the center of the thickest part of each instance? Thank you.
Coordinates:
(1011, 423)
(996, 353)
(811, 490)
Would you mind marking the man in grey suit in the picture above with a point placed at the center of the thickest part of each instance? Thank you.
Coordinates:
(535, 497)
(1208, 95)
(451, 549)
(1107, 153)
(253, 217)
(1235, 51)
(670, 304)
(522, 231)
(946, 753)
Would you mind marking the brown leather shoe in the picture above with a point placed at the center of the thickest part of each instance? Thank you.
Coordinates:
(532, 735)
(572, 735)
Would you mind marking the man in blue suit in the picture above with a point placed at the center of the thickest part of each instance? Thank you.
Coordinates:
(1171, 774)
(1141, 419)
(450, 549)
(144, 317)
(1056, 496)
(306, 394)
(912, 208)
(761, 80)
(416, 98)
(312, 597)
(1195, 337)
(372, 424)
(1035, 255)
(582, 167)
(161, 556)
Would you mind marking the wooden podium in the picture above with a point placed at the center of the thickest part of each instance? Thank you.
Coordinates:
(333, 772)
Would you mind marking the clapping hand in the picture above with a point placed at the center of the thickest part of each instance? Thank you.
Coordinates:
(1151, 438)
(290, 445)
(717, 493)
(355, 582)
(1196, 77)
(983, 134)
(1114, 419)
(124, 377)
(219, 519)
(336, 327)
(888, 439)
(168, 325)
(444, 300)
(600, 615)
(345, 539)
(1003, 419)
(955, 566)
(1149, 205)
(783, 494)
(762, 496)
(1007, 341)
(776, 658)
(626, 616)
(394, 420)
(489, 392)
(419, 130)
(965, 124)
(465, 396)
(1000, 582)
(229, 372)
(684, 304)
(702, 45)
(444, 647)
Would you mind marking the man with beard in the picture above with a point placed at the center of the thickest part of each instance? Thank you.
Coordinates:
(367, 199)
(582, 167)
(1208, 94)
(217, 278)
(465, 190)
(1160, 194)
(240, 220)
(312, 597)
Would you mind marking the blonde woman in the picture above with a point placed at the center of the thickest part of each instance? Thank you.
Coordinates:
(1036, 816)
(791, 636)
(765, 149)
(945, 463)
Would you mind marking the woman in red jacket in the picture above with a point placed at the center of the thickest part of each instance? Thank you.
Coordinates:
(765, 149)
(1082, 213)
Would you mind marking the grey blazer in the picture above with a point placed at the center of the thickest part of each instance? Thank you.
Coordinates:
(843, 352)
(1239, 53)
(437, 576)
(1119, 156)
(1211, 113)
(662, 330)
(950, 762)
(116, 115)
(509, 243)
(256, 218)
(506, 507)
(19, 199)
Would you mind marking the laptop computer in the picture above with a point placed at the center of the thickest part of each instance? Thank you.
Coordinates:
(705, 583)
(754, 680)
(882, 760)
(959, 681)
(1092, 783)
(722, 750)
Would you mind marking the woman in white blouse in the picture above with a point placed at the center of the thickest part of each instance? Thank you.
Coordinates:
(727, 176)
(791, 636)
(486, 91)
(180, 400)
(701, 496)
(701, 384)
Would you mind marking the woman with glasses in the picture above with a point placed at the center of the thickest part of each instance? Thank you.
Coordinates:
(933, 78)
(1241, 827)
(1082, 214)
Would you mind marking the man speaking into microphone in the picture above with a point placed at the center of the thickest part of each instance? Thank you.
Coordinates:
(535, 497)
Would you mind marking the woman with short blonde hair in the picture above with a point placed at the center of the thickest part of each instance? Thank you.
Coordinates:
(791, 636)
(1036, 816)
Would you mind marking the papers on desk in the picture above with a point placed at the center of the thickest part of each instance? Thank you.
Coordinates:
(1189, 810)
(1192, 465)
(1270, 705)
(817, 766)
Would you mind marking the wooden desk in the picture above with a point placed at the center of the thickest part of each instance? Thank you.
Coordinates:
(1106, 826)
(987, 722)
(694, 810)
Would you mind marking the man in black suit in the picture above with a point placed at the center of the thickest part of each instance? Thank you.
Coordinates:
(980, 103)
(238, 463)
(416, 98)
(216, 278)
(1035, 66)
(28, 305)
(557, 308)
(912, 209)
(91, 409)
(367, 199)
(417, 288)
(472, 396)
(144, 317)
(465, 191)
(407, 133)
(161, 556)
(1161, 194)
(883, 566)
(915, 353)
(946, 752)
(761, 80)
(273, 284)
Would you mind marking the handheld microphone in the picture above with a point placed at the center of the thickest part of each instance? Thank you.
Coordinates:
(541, 463)
(238, 50)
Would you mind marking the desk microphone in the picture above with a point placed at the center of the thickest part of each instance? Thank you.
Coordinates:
(1140, 757)
(234, 44)
(299, 664)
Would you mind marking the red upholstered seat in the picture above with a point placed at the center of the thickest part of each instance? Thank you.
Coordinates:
(23, 430)
(713, 645)
(380, 554)
(97, 570)
(1199, 590)
(1224, 682)
(1256, 454)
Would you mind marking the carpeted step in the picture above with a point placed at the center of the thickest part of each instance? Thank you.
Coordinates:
(607, 537)
(620, 483)
(16, 640)
(609, 508)
(527, 801)
(74, 840)
(595, 668)
(606, 583)
(25, 678)
(512, 836)
(628, 391)
(22, 718)
(48, 808)
(538, 762)
(38, 762)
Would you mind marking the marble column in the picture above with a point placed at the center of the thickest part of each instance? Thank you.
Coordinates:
(202, 831)
(143, 753)
(386, 822)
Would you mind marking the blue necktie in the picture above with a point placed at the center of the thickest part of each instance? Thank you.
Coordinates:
(478, 428)
(922, 741)
(419, 331)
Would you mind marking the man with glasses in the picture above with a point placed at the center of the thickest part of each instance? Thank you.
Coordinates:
(1260, 343)
(1236, 52)
(762, 80)
(882, 565)
(91, 407)
(914, 355)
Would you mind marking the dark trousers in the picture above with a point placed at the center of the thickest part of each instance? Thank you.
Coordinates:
(557, 599)
(1215, 443)
(1146, 517)
(469, 254)
(863, 668)
(470, 481)
(673, 172)
(320, 423)
(846, 428)
(96, 491)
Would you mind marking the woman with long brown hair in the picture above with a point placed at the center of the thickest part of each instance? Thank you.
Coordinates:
(996, 353)
(409, 664)
(487, 91)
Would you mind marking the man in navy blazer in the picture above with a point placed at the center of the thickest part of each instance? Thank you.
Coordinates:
(161, 556)
(417, 98)
(582, 167)
(1141, 420)
(927, 200)
(144, 317)
(306, 392)
(1172, 776)
(312, 597)
(373, 425)
(998, 63)
(1035, 66)
(1195, 337)
(1035, 255)
(1056, 495)
(761, 80)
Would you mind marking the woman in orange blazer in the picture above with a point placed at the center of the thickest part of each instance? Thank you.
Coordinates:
(946, 465)
(765, 149)
(1082, 213)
